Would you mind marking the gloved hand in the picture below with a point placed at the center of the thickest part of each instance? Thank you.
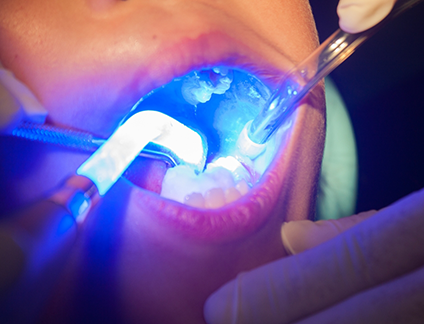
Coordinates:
(35, 242)
(17, 103)
(371, 273)
(358, 15)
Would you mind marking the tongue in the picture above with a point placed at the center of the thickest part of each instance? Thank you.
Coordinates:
(147, 174)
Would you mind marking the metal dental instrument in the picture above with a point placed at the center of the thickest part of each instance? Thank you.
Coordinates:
(296, 84)
(84, 141)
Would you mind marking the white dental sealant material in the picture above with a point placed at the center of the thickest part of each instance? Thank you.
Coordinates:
(199, 87)
(218, 102)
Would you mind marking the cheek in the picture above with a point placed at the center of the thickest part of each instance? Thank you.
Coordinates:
(94, 102)
(298, 193)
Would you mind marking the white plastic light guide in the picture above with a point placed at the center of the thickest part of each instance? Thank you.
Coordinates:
(108, 163)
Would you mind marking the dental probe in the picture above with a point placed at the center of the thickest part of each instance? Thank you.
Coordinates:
(297, 83)
(84, 141)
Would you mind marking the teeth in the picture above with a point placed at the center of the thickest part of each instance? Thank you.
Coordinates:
(220, 184)
(232, 194)
(234, 166)
(195, 199)
(242, 187)
(214, 198)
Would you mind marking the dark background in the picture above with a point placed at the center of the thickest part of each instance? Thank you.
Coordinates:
(383, 87)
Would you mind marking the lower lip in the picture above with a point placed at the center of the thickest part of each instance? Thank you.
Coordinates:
(230, 222)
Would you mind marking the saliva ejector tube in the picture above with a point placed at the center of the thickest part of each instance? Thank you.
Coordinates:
(297, 83)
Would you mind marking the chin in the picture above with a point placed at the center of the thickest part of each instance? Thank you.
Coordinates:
(145, 258)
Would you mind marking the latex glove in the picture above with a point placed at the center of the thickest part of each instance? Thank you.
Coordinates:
(35, 243)
(371, 273)
(358, 15)
(17, 102)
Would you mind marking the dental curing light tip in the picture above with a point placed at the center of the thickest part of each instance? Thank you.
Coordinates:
(108, 163)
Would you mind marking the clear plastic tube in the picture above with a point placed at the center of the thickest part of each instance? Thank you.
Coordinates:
(296, 84)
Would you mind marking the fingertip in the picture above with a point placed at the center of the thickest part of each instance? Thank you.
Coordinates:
(298, 236)
(286, 241)
(293, 235)
(360, 15)
(217, 308)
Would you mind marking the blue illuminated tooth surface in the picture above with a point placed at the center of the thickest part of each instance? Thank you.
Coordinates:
(222, 70)
(198, 87)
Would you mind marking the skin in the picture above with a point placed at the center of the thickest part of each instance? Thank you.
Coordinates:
(140, 257)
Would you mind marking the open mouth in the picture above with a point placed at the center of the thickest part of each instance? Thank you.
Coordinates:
(233, 194)
(217, 103)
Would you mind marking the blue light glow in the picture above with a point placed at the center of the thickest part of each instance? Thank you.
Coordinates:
(216, 102)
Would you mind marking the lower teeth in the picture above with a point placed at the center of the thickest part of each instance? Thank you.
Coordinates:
(213, 188)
